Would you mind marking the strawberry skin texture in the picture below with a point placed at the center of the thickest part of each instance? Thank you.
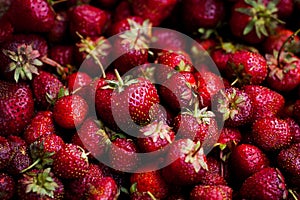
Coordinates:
(7, 186)
(204, 192)
(6, 152)
(267, 184)
(17, 107)
(36, 15)
(289, 159)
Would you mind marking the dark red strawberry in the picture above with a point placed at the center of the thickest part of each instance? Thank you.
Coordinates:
(295, 129)
(265, 184)
(288, 160)
(201, 192)
(124, 24)
(63, 54)
(77, 81)
(36, 15)
(87, 20)
(247, 159)
(229, 135)
(188, 162)
(271, 134)
(156, 10)
(17, 107)
(122, 11)
(46, 87)
(296, 110)
(6, 30)
(6, 152)
(40, 184)
(59, 29)
(106, 188)
(285, 8)
(265, 102)
(70, 111)
(40, 125)
(233, 106)
(7, 186)
(149, 182)
(70, 162)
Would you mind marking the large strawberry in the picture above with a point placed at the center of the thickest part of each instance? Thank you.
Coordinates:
(17, 107)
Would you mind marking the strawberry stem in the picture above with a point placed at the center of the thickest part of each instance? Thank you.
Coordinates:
(151, 195)
(31, 166)
(293, 194)
(119, 78)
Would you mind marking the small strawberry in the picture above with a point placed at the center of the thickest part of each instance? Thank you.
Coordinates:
(39, 184)
(271, 134)
(70, 162)
(205, 192)
(288, 160)
(106, 188)
(70, 111)
(5, 154)
(7, 186)
(265, 184)
(17, 107)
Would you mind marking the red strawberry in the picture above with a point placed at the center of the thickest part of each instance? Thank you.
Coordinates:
(247, 159)
(70, 162)
(124, 24)
(70, 111)
(5, 154)
(77, 81)
(40, 125)
(265, 102)
(36, 15)
(62, 54)
(149, 182)
(155, 136)
(59, 29)
(288, 160)
(271, 134)
(6, 30)
(7, 186)
(106, 188)
(46, 88)
(265, 184)
(233, 106)
(40, 184)
(295, 129)
(156, 10)
(189, 163)
(17, 107)
(205, 192)
(122, 11)
(87, 20)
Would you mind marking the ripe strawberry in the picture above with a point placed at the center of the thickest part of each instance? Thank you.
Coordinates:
(252, 21)
(189, 163)
(37, 16)
(39, 184)
(46, 88)
(62, 54)
(233, 106)
(70, 111)
(40, 125)
(247, 159)
(122, 11)
(152, 182)
(295, 129)
(271, 134)
(156, 11)
(229, 135)
(17, 107)
(285, 9)
(247, 67)
(6, 30)
(265, 102)
(265, 184)
(79, 82)
(70, 162)
(59, 29)
(7, 186)
(155, 136)
(202, 13)
(5, 153)
(106, 188)
(288, 160)
(201, 192)
(87, 20)
(124, 24)
(141, 196)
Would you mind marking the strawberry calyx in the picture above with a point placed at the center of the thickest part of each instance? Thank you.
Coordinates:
(24, 62)
(194, 155)
(295, 197)
(201, 115)
(157, 130)
(41, 183)
(263, 17)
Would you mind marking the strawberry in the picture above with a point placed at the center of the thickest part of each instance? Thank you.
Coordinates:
(46, 87)
(62, 54)
(87, 20)
(267, 183)
(7, 186)
(124, 24)
(295, 129)
(149, 182)
(36, 15)
(233, 106)
(265, 102)
(247, 159)
(155, 136)
(188, 162)
(106, 188)
(40, 125)
(285, 9)
(252, 21)
(6, 30)
(5, 153)
(40, 184)
(77, 81)
(271, 134)
(59, 29)
(247, 67)
(201, 192)
(17, 107)
(70, 111)
(122, 11)
(70, 162)
(156, 11)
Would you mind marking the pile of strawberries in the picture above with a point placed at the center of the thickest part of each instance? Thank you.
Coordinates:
(96, 102)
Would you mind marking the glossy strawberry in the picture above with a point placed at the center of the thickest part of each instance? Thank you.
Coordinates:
(7, 186)
(17, 107)
(6, 153)
(62, 54)
(77, 82)
(211, 192)
(288, 160)
(295, 129)
(106, 188)
(124, 24)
